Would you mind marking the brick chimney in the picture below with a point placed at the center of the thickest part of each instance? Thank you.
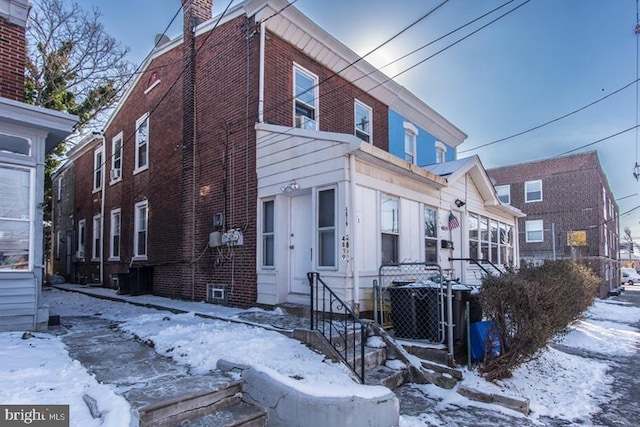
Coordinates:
(13, 20)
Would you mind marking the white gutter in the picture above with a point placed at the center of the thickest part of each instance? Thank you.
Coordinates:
(353, 237)
(263, 29)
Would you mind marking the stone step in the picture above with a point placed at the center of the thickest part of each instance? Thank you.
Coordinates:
(168, 403)
(390, 378)
(239, 415)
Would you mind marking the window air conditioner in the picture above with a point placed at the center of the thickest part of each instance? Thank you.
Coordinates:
(116, 174)
(305, 122)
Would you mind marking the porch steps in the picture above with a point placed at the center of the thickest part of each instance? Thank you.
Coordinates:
(206, 405)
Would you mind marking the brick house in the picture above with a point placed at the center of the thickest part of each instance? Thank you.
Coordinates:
(571, 211)
(257, 148)
(27, 133)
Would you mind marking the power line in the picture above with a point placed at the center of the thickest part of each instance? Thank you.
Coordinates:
(596, 142)
(564, 116)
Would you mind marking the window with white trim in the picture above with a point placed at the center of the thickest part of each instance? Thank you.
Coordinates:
(409, 146)
(363, 115)
(116, 158)
(534, 231)
(474, 236)
(98, 169)
(390, 233)
(58, 243)
(16, 217)
(142, 144)
(96, 242)
(305, 94)
(430, 235)
(441, 152)
(504, 193)
(327, 228)
(114, 235)
(268, 233)
(82, 228)
(533, 191)
(59, 188)
(141, 215)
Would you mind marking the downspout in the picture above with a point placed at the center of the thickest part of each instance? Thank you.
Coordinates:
(353, 238)
(102, 197)
(263, 29)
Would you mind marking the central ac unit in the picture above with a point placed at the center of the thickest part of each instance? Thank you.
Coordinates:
(305, 122)
(116, 174)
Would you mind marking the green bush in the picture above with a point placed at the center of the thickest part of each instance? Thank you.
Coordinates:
(529, 306)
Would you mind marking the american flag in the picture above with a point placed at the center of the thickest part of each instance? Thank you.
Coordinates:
(453, 221)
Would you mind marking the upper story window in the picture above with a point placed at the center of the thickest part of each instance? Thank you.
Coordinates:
(98, 163)
(363, 121)
(504, 193)
(533, 191)
(116, 158)
(305, 94)
(441, 152)
(59, 188)
(410, 142)
(142, 143)
(15, 145)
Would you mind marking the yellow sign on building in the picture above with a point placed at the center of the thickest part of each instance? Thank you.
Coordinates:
(577, 238)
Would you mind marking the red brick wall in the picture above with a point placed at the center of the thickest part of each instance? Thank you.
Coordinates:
(336, 95)
(12, 60)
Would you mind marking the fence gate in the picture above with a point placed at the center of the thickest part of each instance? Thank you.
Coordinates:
(410, 298)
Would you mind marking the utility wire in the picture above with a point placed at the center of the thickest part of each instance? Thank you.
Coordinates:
(564, 116)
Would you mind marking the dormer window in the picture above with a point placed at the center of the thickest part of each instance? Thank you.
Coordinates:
(441, 152)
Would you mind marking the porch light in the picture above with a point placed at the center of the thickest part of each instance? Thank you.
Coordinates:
(292, 186)
(459, 203)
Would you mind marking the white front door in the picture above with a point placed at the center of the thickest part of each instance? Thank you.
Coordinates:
(301, 251)
(456, 238)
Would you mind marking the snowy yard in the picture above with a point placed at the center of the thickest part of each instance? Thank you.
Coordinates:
(39, 370)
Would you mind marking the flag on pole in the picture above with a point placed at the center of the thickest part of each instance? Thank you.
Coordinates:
(453, 221)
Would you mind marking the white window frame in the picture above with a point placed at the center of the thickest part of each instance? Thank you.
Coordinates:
(142, 140)
(527, 184)
(138, 208)
(59, 188)
(395, 226)
(313, 108)
(19, 214)
(441, 152)
(534, 226)
(98, 169)
(428, 238)
(116, 158)
(321, 229)
(268, 235)
(364, 132)
(58, 243)
(410, 143)
(82, 235)
(115, 230)
(504, 191)
(96, 241)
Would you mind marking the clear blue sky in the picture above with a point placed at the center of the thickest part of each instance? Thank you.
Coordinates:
(540, 62)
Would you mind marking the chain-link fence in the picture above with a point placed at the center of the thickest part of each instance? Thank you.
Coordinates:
(410, 298)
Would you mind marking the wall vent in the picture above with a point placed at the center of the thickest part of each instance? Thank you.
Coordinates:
(217, 294)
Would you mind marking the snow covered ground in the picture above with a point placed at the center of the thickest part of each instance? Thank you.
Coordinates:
(39, 370)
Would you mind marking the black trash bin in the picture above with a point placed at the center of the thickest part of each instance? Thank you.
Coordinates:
(414, 311)
(461, 295)
(124, 284)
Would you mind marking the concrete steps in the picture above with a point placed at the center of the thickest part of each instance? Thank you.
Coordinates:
(160, 392)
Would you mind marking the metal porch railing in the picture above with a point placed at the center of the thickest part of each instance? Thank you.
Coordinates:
(339, 324)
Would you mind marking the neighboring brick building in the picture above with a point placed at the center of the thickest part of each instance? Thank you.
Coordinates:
(571, 211)
(242, 159)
